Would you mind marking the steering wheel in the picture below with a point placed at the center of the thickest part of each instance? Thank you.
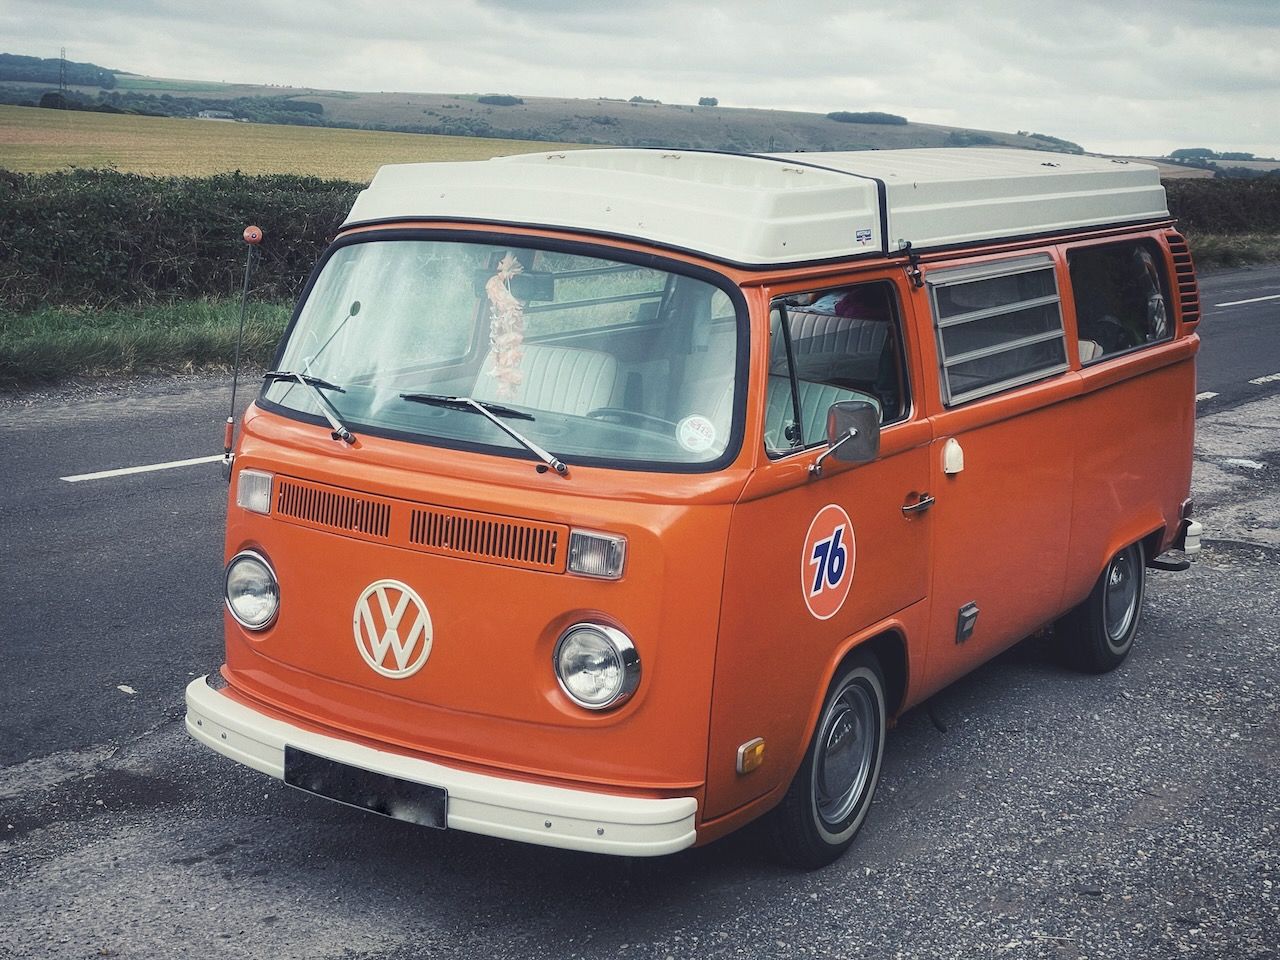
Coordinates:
(644, 421)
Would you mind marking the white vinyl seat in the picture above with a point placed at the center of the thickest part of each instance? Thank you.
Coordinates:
(1090, 350)
(829, 347)
(815, 400)
(556, 379)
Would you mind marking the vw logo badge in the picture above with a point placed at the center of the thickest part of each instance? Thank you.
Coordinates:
(392, 628)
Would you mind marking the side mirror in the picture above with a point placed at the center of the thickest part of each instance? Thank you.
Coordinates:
(853, 433)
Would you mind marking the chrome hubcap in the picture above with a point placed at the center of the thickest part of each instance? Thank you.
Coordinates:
(1120, 600)
(846, 751)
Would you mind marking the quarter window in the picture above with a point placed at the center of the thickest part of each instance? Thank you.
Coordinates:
(998, 326)
(1121, 298)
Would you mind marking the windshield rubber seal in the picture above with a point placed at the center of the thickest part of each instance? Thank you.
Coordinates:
(552, 245)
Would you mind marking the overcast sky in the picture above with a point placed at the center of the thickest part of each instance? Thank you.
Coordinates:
(1120, 76)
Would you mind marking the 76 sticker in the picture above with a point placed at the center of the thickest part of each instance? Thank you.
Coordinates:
(826, 564)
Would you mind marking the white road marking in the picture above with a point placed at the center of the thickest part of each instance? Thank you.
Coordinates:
(125, 471)
(1241, 462)
(1207, 395)
(1236, 303)
(1271, 378)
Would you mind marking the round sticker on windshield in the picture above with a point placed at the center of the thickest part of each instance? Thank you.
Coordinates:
(696, 433)
(826, 566)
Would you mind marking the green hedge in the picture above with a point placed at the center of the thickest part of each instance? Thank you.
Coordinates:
(102, 237)
(1222, 206)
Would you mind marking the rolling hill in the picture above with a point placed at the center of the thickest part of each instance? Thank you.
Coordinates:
(619, 122)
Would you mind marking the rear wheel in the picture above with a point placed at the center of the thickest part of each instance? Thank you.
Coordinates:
(1097, 635)
(828, 800)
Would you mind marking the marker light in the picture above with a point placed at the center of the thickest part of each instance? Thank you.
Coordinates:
(594, 554)
(253, 594)
(253, 490)
(597, 666)
(751, 755)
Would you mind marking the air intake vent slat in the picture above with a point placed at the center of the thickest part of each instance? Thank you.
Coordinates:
(1185, 271)
(333, 509)
(505, 540)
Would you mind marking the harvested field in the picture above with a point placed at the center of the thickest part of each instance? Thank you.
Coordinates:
(37, 141)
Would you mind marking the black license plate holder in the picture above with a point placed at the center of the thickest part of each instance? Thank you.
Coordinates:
(390, 796)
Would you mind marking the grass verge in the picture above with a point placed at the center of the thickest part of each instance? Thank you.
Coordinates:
(53, 343)
(1234, 250)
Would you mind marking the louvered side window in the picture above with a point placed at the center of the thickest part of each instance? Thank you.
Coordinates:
(998, 326)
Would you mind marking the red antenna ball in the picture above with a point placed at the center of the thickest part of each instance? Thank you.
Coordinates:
(253, 235)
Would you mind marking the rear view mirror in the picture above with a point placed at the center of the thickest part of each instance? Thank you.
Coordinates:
(527, 286)
(853, 433)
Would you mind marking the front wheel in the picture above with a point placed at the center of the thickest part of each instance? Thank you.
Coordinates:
(828, 800)
(1098, 635)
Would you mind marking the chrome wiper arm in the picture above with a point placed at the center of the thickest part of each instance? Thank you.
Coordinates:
(465, 403)
(493, 413)
(315, 385)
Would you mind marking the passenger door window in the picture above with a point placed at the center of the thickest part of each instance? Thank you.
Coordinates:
(835, 344)
(1120, 296)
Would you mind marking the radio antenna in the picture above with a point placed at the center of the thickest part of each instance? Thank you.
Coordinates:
(252, 237)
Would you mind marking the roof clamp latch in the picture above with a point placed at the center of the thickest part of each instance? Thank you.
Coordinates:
(913, 264)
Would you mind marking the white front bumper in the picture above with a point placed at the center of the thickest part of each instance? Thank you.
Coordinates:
(478, 803)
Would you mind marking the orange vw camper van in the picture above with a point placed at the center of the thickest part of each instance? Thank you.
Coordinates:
(612, 499)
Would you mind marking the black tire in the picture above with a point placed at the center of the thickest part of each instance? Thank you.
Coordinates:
(818, 818)
(1097, 636)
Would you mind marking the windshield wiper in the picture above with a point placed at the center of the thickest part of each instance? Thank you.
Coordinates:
(315, 385)
(492, 412)
(465, 403)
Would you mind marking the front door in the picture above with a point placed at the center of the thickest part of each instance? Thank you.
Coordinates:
(813, 560)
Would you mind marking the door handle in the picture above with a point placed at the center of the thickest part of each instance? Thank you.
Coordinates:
(920, 506)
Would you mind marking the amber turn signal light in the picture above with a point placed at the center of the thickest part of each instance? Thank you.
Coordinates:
(751, 755)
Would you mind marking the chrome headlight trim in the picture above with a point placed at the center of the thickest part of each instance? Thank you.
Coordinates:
(275, 583)
(625, 651)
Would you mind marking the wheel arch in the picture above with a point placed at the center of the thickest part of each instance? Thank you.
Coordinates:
(887, 642)
(1150, 529)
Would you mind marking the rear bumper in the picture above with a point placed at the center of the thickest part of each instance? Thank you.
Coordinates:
(478, 803)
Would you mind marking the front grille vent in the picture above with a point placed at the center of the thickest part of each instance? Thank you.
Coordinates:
(425, 527)
(334, 510)
(1188, 288)
(517, 543)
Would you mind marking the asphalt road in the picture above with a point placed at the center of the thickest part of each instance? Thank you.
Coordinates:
(1132, 815)
(1240, 338)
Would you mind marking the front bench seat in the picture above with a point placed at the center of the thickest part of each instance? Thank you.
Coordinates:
(556, 379)
(815, 400)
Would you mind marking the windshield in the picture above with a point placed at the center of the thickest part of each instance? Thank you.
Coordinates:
(594, 360)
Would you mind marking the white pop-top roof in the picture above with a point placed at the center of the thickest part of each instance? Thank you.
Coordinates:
(767, 209)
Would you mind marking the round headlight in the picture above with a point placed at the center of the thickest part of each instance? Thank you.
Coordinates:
(597, 666)
(253, 595)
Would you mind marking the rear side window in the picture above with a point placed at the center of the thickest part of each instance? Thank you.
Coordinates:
(998, 326)
(1121, 298)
